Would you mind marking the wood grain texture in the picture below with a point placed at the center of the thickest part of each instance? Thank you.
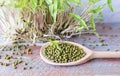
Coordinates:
(109, 32)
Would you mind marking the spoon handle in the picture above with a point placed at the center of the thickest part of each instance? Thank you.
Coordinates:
(106, 55)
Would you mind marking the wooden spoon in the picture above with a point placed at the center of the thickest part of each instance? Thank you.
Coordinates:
(89, 55)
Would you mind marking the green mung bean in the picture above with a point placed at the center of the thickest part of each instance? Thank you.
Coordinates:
(30, 67)
(66, 53)
(24, 68)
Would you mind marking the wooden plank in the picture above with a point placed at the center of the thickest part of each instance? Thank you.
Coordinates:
(109, 34)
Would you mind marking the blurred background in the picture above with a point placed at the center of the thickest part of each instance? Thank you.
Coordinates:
(108, 16)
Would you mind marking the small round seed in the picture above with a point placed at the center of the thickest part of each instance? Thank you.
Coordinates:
(24, 68)
(68, 53)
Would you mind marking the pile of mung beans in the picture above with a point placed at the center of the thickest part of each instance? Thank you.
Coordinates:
(65, 53)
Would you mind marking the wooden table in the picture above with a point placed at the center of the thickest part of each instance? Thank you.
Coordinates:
(109, 41)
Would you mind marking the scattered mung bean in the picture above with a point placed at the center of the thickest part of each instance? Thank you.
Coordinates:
(13, 55)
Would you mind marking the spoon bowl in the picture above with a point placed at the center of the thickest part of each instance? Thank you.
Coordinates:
(89, 55)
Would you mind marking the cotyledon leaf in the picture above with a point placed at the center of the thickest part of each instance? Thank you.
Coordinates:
(97, 10)
(81, 21)
(109, 2)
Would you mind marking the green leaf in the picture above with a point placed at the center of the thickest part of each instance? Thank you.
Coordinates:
(76, 1)
(48, 2)
(41, 2)
(20, 4)
(55, 10)
(51, 9)
(93, 1)
(81, 21)
(33, 4)
(109, 2)
(67, 4)
(93, 24)
(97, 10)
(55, 43)
(60, 3)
